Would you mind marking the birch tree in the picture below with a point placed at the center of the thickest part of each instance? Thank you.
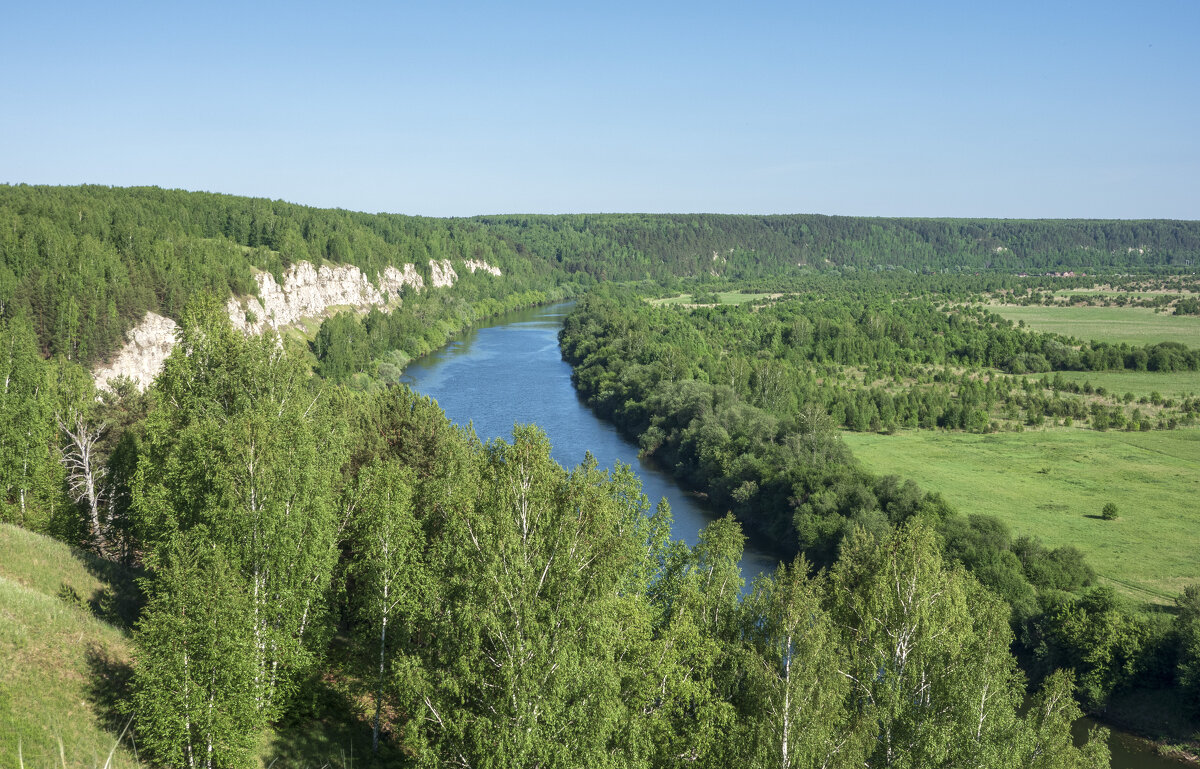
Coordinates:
(386, 569)
(798, 701)
(696, 627)
(239, 442)
(192, 696)
(26, 425)
(928, 657)
(534, 617)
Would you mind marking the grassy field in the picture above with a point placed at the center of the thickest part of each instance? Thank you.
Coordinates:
(726, 297)
(1053, 485)
(1135, 325)
(1173, 384)
(63, 658)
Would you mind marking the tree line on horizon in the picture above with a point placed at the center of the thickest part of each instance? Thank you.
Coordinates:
(85, 263)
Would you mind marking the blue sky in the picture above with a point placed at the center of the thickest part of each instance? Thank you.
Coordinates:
(1048, 109)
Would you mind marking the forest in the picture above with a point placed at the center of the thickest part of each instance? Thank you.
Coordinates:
(288, 521)
(744, 404)
(85, 263)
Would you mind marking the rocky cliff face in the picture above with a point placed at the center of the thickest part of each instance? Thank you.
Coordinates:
(476, 264)
(442, 274)
(147, 346)
(307, 292)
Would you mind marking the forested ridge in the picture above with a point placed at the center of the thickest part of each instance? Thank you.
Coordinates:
(84, 263)
(316, 543)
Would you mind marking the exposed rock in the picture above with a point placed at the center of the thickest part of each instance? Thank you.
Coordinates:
(307, 292)
(442, 274)
(393, 281)
(147, 346)
(479, 264)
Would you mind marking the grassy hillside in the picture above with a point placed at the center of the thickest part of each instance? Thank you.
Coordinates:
(1053, 485)
(64, 654)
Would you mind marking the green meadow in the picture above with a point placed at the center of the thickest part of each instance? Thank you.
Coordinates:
(726, 297)
(64, 656)
(1169, 384)
(1134, 325)
(1054, 484)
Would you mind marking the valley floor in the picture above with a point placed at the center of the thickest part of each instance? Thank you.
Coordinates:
(1053, 484)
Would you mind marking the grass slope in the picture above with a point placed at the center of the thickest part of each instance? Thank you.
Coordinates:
(1053, 485)
(64, 657)
(1135, 325)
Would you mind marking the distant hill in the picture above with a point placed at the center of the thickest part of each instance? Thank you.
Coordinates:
(86, 263)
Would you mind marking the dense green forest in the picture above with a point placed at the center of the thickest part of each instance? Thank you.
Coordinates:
(84, 263)
(743, 403)
(298, 522)
(500, 610)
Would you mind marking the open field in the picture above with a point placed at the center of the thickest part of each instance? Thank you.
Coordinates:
(1169, 384)
(726, 297)
(1053, 485)
(1135, 325)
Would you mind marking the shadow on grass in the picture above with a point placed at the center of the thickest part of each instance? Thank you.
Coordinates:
(109, 682)
(120, 602)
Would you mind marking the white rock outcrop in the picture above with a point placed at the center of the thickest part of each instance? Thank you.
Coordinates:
(478, 264)
(393, 281)
(442, 274)
(147, 346)
(307, 292)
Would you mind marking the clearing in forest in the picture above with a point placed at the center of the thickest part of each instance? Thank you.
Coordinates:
(724, 297)
(1134, 325)
(1054, 484)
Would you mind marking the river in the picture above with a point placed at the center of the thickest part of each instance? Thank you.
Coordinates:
(510, 371)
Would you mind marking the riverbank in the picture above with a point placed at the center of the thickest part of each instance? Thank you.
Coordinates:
(1155, 719)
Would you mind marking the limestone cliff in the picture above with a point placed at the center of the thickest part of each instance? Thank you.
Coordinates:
(477, 264)
(306, 292)
(442, 274)
(147, 346)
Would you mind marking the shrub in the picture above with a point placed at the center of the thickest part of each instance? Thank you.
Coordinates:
(1109, 512)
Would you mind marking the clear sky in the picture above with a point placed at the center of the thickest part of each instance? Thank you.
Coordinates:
(1006, 109)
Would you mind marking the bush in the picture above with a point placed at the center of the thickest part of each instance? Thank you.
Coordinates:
(1109, 512)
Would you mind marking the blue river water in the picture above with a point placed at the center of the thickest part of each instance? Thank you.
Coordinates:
(511, 372)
